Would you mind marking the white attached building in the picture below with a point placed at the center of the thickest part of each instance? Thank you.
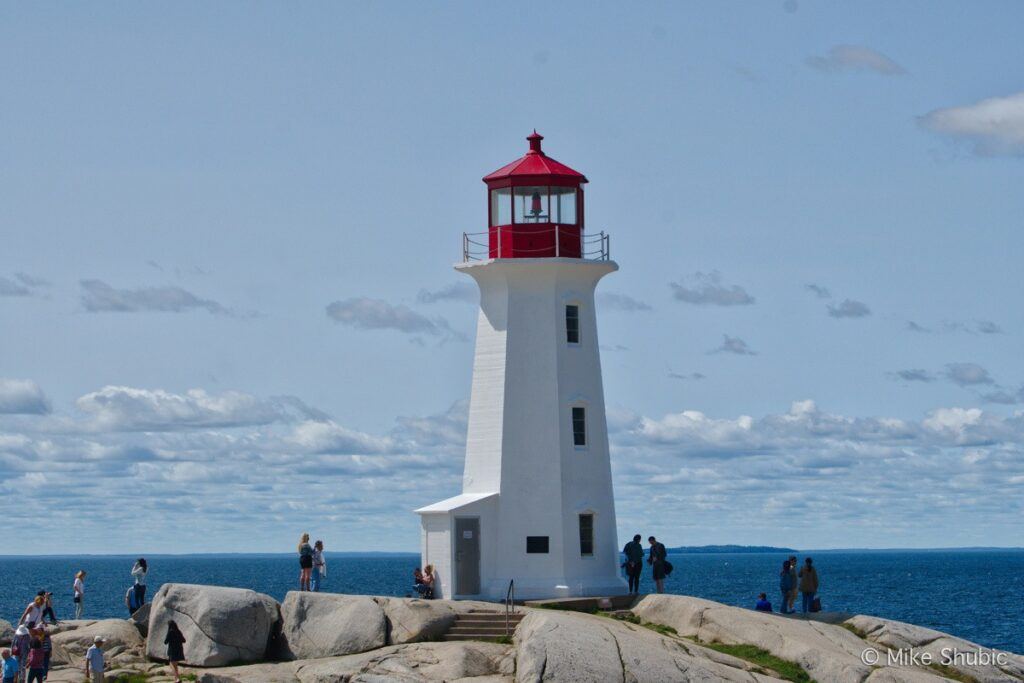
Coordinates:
(537, 504)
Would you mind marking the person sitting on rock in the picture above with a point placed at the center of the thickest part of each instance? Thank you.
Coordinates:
(428, 582)
(417, 581)
(762, 603)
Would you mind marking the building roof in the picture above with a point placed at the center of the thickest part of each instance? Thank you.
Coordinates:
(455, 502)
(535, 163)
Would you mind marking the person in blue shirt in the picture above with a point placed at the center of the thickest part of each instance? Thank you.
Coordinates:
(762, 603)
(10, 666)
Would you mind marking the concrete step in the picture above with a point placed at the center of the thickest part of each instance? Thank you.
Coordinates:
(500, 618)
(464, 636)
(483, 632)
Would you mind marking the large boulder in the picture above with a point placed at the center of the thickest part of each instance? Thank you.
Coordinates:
(413, 662)
(140, 618)
(889, 635)
(411, 620)
(579, 648)
(221, 625)
(6, 632)
(121, 637)
(316, 625)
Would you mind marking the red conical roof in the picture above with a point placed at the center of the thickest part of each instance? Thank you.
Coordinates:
(536, 163)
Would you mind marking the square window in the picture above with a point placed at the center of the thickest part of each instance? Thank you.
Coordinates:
(572, 324)
(579, 426)
(586, 534)
(537, 544)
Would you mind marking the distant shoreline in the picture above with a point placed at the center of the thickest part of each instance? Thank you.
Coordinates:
(679, 550)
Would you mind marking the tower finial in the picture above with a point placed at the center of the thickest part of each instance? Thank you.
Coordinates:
(535, 139)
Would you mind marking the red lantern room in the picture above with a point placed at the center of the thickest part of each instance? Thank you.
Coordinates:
(535, 208)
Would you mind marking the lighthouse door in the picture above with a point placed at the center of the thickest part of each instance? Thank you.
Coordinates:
(467, 556)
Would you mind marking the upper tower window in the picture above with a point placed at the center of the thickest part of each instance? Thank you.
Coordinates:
(531, 205)
(501, 206)
(563, 205)
(572, 324)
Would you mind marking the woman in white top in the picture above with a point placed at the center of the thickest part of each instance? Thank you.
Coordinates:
(319, 565)
(79, 593)
(33, 614)
(139, 572)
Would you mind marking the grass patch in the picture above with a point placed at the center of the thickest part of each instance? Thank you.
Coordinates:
(950, 672)
(660, 628)
(131, 678)
(502, 640)
(787, 670)
(562, 607)
(863, 635)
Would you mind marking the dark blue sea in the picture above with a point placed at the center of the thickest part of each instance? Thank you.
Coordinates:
(974, 594)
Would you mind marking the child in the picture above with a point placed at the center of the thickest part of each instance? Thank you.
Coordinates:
(10, 666)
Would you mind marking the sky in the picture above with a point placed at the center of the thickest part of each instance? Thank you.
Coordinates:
(228, 313)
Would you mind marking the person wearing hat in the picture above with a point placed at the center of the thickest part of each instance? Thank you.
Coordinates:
(20, 645)
(94, 663)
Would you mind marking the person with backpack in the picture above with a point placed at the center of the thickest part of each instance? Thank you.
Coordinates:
(305, 563)
(809, 585)
(131, 600)
(139, 571)
(634, 564)
(786, 585)
(658, 559)
(175, 642)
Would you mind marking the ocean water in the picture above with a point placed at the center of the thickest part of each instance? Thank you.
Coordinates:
(976, 595)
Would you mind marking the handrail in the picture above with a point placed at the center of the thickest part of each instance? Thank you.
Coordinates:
(593, 246)
(510, 600)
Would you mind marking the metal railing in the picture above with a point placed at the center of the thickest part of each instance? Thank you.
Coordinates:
(510, 604)
(476, 246)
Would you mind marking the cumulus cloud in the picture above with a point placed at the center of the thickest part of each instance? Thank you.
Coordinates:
(849, 308)
(912, 375)
(949, 326)
(993, 127)
(734, 345)
(22, 396)
(967, 374)
(621, 302)
(1005, 397)
(375, 314)
(98, 296)
(708, 289)
(818, 291)
(855, 58)
(118, 408)
(456, 291)
(22, 284)
(988, 327)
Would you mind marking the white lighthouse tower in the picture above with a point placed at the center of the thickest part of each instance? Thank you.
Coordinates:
(536, 504)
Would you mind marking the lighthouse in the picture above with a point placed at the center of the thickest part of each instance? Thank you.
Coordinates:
(536, 505)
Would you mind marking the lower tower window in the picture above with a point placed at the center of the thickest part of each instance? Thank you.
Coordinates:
(586, 534)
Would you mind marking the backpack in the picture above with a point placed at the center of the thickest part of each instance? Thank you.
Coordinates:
(131, 598)
(668, 567)
(816, 605)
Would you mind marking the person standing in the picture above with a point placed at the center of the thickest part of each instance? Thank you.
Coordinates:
(10, 666)
(657, 558)
(808, 583)
(429, 581)
(139, 571)
(793, 565)
(36, 662)
(79, 589)
(47, 651)
(319, 565)
(786, 586)
(175, 641)
(634, 553)
(20, 645)
(305, 562)
(95, 666)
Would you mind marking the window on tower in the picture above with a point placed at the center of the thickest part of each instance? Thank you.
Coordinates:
(572, 324)
(587, 534)
(536, 544)
(579, 426)
(563, 205)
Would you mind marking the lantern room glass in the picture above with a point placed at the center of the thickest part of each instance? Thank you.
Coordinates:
(563, 205)
(530, 205)
(501, 206)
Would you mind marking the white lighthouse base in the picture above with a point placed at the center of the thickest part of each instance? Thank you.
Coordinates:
(460, 538)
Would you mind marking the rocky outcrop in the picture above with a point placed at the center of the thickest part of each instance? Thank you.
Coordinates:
(464, 661)
(122, 638)
(140, 618)
(221, 625)
(316, 625)
(6, 632)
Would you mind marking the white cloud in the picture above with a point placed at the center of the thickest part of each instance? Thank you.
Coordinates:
(456, 291)
(375, 314)
(707, 289)
(621, 302)
(734, 345)
(849, 308)
(994, 126)
(855, 58)
(116, 408)
(330, 437)
(98, 296)
(22, 396)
